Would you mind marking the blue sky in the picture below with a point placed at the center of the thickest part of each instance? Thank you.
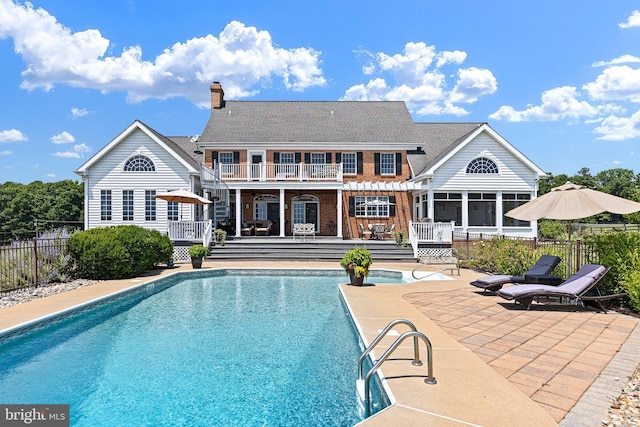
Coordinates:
(560, 80)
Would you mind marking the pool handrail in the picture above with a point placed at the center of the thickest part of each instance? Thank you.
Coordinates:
(416, 352)
(415, 334)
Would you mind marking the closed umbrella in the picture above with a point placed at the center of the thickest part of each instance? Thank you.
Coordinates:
(183, 196)
(571, 201)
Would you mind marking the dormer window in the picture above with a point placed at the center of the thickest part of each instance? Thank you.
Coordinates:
(139, 163)
(482, 165)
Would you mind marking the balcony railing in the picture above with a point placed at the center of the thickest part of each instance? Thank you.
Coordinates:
(280, 172)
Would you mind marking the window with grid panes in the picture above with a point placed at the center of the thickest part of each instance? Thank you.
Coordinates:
(387, 163)
(105, 205)
(127, 205)
(150, 205)
(349, 163)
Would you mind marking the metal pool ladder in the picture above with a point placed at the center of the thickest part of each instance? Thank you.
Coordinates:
(360, 383)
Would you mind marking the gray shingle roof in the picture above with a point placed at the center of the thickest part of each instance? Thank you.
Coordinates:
(183, 146)
(437, 139)
(309, 121)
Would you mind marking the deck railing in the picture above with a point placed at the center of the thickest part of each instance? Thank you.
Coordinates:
(430, 232)
(190, 231)
(280, 172)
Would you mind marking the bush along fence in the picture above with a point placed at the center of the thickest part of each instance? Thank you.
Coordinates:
(574, 253)
(619, 250)
(34, 262)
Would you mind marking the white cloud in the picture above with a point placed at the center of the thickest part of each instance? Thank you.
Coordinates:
(12, 135)
(632, 21)
(52, 175)
(472, 84)
(63, 138)
(418, 79)
(557, 104)
(78, 112)
(240, 57)
(66, 154)
(79, 150)
(624, 59)
(6, 153)
(619, 83)
(614, 128)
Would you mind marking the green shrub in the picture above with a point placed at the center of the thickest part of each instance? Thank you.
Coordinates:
(118, 252)
(631, 284)
(552, 229)
(511, 257)
(621, 251)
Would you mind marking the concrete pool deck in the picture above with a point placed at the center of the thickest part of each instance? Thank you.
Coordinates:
(495, 364)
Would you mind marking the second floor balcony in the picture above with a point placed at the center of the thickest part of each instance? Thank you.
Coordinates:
(331, 172)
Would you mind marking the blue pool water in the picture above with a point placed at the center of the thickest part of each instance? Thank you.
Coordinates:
(216, 348)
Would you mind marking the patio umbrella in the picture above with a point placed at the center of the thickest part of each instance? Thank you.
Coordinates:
(571, 201)
(183, 196)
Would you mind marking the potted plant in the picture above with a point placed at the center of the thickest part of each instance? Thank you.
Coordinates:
(356, 263)
(221, 236)
(197, 252)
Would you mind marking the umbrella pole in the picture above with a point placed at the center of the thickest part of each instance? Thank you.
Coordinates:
(569, 253)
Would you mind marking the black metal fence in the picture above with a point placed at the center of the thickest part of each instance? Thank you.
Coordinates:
(577, 252)
(32, 262)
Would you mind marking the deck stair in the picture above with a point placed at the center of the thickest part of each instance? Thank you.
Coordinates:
(321, 249)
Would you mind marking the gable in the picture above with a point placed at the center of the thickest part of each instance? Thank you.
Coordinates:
(514, 174)
(155, 142)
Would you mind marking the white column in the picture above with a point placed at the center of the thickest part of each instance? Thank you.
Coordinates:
(499, 213)
(238, 212)
(339, 213)
(282, 213)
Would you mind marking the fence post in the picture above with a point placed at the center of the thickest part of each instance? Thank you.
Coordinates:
(35, 262)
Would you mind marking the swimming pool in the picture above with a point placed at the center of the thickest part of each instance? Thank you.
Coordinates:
(217, 347)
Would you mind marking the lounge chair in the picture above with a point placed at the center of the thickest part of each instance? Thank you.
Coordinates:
(364, 233)
(573, 289)
(539, 273)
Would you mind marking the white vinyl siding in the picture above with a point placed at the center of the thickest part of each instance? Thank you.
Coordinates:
(107, 174)
(514, 175)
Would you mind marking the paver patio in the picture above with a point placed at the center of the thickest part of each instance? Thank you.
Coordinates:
(552, 353)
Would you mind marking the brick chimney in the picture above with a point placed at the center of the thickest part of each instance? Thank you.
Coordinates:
(217, 96)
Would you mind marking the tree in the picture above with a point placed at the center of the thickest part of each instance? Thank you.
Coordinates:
(57, 203)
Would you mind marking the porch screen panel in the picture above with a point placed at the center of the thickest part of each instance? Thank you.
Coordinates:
(512, 201)
(447, 207)
(482, 209)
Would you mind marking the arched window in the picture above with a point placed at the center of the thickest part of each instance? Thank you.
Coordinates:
(139, 163)
(482, 165)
